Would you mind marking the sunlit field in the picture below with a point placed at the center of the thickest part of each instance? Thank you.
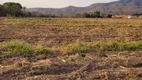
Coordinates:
(70, 48)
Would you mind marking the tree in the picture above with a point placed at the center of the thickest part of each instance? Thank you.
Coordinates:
(24, 9)
(86, 15)
(1, 9)
(13, 9)
(109, 15)
(95, 14)
(25, 13)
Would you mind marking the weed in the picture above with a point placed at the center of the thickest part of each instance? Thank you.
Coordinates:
(39, 50)
(16, 47)
(76, 48)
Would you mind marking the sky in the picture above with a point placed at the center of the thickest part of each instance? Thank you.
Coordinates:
(56, 3)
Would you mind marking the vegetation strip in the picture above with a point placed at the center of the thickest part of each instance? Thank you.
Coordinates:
(21, 48)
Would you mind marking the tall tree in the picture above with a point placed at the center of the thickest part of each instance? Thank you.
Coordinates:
(1, 9)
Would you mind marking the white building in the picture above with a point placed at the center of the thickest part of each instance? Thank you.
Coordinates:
(132, 17)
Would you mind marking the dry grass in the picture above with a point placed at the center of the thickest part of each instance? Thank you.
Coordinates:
(110, 49)
(39, 50)
(75, 48)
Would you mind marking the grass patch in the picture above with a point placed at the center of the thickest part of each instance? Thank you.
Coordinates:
(15, 47)
(39, 50)
(21, 48)
(76, 48)
(117, 46)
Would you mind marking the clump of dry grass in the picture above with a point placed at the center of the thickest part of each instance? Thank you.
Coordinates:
(39, 50)
(75, 48)
(42, 63)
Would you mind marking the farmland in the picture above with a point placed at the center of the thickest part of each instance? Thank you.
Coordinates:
(70, 49)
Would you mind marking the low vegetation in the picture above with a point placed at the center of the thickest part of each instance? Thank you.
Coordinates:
(76, 48)
(15, 47)
(22, 48)
(41, 50)
(117, 46)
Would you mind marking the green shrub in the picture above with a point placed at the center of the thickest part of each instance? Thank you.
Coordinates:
(76, 48)
(39, 50)
(16, 47)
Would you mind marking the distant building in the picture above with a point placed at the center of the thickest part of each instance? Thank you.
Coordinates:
(125, 16)
(132, 17)
(119, 16)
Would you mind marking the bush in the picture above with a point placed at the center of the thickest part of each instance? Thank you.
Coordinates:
(39, 50)
(109, 16)
(76, 48)
(16, 47)
(96, 14)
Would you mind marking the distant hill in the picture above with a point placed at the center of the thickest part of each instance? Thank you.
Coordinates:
(116, 7)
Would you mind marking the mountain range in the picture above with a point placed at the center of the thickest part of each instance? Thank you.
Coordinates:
(115, 7)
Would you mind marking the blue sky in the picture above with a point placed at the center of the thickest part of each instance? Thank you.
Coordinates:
(56, 3)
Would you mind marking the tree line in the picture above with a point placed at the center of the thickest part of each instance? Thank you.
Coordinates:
(11, 9)
(17, 10)
(95, 14)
